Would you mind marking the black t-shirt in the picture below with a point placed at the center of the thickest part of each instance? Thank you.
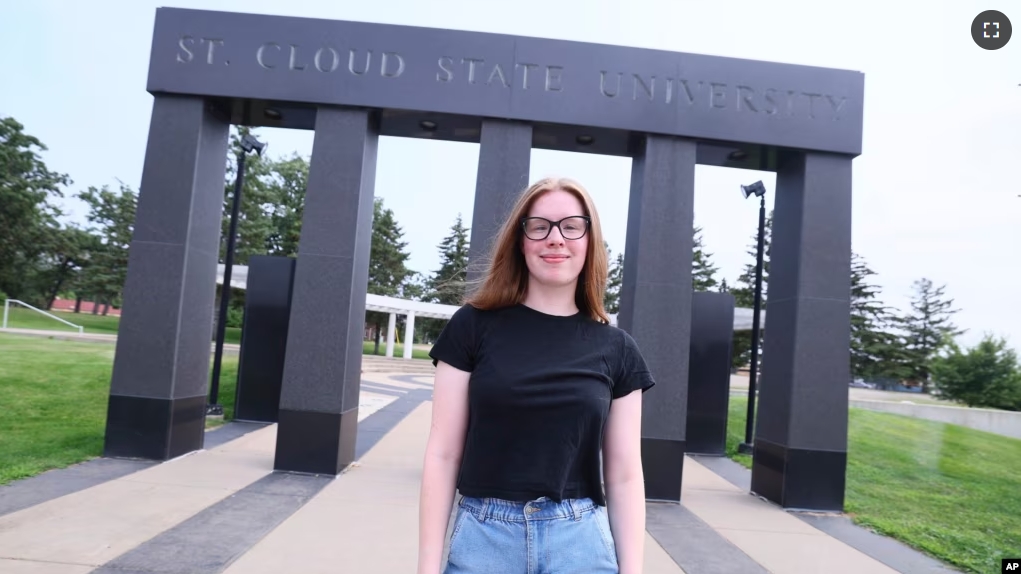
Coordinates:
(539, 397)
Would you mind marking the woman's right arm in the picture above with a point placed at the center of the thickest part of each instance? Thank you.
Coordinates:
(442, 463)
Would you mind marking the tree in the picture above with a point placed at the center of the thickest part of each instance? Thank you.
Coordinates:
(388, 271)
(984, 376)
(259, 201)
(744, 291)
(112, 215)
(876, 350)
(928, 329)
(447, 285)
(26, 215)
(702, 270)
(614, 279)
(286, 186)
(69, 251)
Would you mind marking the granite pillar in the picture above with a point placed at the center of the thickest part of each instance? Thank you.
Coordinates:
(160, 377)
(709, 356)
(322, 370)
(655, 299)
(264, 338)
(505, 152)
(800, 445)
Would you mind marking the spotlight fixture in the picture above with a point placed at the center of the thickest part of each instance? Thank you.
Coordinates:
(584, 139)
(428, 125)
(754, 189)
(249, 143)
(272, 113)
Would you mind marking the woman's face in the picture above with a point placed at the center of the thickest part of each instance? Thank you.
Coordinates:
(556, 260)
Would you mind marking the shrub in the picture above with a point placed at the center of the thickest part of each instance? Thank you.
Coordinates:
(984, 376)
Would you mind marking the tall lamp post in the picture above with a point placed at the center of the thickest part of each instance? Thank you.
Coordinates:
(248, 144)
(759, 190)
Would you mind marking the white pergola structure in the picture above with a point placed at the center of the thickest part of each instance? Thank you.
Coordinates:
(395, 306)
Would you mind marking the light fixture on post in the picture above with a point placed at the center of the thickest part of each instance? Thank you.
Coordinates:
(248, 144)
(757, 189)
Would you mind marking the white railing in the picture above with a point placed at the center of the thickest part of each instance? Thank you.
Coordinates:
(7, 306)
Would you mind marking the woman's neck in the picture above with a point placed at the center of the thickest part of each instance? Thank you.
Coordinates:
(551, 300)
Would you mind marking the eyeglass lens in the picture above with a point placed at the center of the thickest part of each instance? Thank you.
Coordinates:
(570, 227)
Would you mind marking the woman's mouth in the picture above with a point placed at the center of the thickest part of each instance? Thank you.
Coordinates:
(554, 258)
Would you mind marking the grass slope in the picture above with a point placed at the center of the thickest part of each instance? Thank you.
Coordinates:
(947, 490)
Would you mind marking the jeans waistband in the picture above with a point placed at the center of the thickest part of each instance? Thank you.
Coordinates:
(539, 509)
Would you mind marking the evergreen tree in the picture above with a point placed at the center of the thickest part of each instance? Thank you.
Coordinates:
(388, 271)
(703, 272)
(744, 291)
(876, 350)
(447, 285)
(614, 279)
(928, 329)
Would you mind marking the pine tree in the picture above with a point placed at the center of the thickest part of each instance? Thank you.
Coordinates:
(744, 291)
(447, 285)
(702, 270)
(928, 329)
(876, 350)
(388, 271)
(614, 279)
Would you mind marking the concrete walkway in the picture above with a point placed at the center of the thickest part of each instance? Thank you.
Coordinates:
(224, 510)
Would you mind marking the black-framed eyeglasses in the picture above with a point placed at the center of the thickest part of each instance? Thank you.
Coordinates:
(539, 228)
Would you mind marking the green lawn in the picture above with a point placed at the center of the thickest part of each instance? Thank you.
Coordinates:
(53, 397)
(950, 491)
(22, 318)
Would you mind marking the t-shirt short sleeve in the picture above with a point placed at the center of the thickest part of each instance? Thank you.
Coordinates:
(632, 372)
(457, 342)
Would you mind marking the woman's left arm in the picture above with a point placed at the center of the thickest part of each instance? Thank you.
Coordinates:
(625, 481)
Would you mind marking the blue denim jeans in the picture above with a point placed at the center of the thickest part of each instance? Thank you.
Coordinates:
(537, 537)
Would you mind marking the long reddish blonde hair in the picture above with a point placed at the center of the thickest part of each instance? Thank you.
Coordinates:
(505, 281)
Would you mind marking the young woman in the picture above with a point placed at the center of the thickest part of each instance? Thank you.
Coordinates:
(537, 403)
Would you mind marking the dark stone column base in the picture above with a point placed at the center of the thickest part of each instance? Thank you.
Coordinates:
(663, 464)
(154, 429)
(799, 479)
(315, 442)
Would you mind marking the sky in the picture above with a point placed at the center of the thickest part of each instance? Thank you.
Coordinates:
(936, 189)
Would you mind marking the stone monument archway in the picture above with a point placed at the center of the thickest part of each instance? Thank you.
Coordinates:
(352, 82)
